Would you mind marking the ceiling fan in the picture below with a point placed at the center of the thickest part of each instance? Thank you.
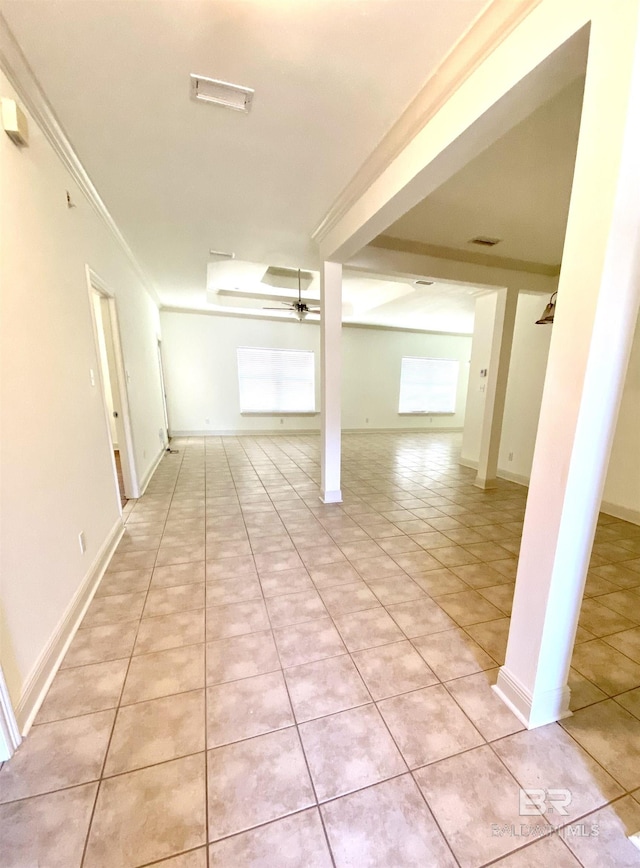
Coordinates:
(298, 307)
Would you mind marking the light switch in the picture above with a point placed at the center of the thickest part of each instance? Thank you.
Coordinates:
(93, 376)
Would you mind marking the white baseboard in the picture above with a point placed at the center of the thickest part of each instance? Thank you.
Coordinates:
(41, 676)
(623, 512)
(10, 736)
(547, 708)
(268, 432)
(432, 429)
(154, 466)
(468, 462)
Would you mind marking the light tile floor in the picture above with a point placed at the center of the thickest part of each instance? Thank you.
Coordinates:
(262, 680)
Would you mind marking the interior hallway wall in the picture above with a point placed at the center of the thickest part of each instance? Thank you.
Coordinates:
(57, 474)
(199, 353)
(522, 408)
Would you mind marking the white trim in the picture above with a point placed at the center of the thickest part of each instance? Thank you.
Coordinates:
(21, 76)
(10, 736)
(152, 470)
(549, 707)
(127, 454)
(623, 512)
(491, 27)
(268, 432)
(47, 665)
(331, 496)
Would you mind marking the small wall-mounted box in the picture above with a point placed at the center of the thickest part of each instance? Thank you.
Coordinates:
(14, 122)
(483, 372)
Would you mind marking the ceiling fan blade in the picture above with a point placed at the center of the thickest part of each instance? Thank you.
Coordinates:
(281, 309)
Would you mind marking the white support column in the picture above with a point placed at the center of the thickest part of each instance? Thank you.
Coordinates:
(331, 383)
(598, 302)
(496, 387)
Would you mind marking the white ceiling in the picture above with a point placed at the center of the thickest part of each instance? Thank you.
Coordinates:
(330, 78)
(517, 190)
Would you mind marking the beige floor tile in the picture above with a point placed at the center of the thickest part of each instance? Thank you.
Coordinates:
(628, 642)
(472, 797)
(348, 751)
(56, 755)
(261, 545)
(427, 725)
(319, 556)
(612, 736)
(385, 825)
(480, 575)
(100, 644)
(392, 669)
(611, 845)
(47, 830)
(298, 841)
(416, 563)
(163, 673)
(245, 708)
(468, 607)
(257, 780)
(325, 687)
(606, 667)
(236, 619)
(367, 629)
(420, 618)
(398, 545)
(241, 657)
(442, 581)
(114, 609)
(397, 589)
(156, 731)
(289, 609)
(229, 549)
(313, 640)
(236, 590)
(170, 631)
(600, 620)
(271, 562)
(431, 540)
(487, 712)
(329, 575)
(126, 582)
(619, 574)
(82, 690)
(363, 549)
(230, 568)
(630, 701)
(180, 554)
(583, 691)
(149, 814)
(285, 582)
(492, 637)
(377, 568)
(188, 573)
(452, 654)
(343, 599)
(550, 850)
(168, 601)
(548, 758)
(500, 596)
(136, 560)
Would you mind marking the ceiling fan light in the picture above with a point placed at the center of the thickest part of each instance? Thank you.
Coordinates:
(549, 312)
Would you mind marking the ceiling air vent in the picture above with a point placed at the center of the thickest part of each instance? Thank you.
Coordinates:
(222, 93)
(485, 241)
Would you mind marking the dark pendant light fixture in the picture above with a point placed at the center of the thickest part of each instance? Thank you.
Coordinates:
(549, 311)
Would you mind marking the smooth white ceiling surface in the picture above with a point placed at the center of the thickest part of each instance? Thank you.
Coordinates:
(517, 190)
(181, 177)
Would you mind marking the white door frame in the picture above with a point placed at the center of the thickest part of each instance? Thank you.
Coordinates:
(165, 409)
(127, 455)
(10, 736)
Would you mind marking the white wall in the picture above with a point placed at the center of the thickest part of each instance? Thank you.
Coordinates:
(199, 353)
(57, 473)
(522, 408)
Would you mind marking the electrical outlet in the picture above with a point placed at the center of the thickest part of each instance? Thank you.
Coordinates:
(207, 421)
(82, 542)
(511, 456)
(92, 376)
(366, 421)
(282, 421)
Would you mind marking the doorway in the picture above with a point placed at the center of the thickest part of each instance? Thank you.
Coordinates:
(112, 381)
(164, 395)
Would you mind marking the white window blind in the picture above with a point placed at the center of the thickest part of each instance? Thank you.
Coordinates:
(276, 381)
(428, 385)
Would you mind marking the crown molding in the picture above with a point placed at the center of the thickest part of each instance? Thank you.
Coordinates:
(16, 67)
(490, 28)
(405, 245)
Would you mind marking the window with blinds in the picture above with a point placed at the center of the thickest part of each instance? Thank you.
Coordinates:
(276, 381)
(428, 385)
